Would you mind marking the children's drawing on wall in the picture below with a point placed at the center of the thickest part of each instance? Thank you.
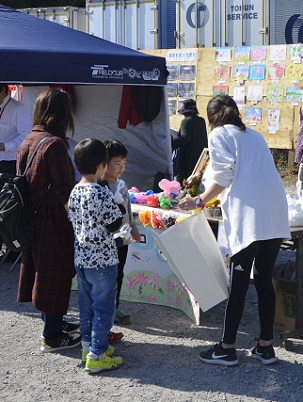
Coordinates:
(296, 51)
(294, 94)
(222, 73)
(277, 52)
(273, 119)
(257, 53)
(173, 72)
(275, 71)
(223, 54)
(172, 89)
(239, 96)
(254, 93)
(240, 73)
(242, 53)
(253, 115)
(274, 94)
(220, 89)
(172, 107)
(294, 72)
(257, 72)
(186, 90)
(187, 72)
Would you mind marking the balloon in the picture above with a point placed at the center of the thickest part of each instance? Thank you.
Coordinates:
(170, 186)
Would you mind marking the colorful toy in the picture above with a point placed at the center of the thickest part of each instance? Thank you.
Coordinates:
(144, 217)
(156, 221)
(152, 201)
(164, 202)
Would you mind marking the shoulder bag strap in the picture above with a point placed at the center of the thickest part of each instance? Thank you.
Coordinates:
(33, 155)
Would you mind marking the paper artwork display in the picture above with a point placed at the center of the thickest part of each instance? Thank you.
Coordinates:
(172, 107)
(294, 72)
(223, 53)
(173, 72)
(257, 53)
(222, 73)
(172, 89)
(186, 89)
(253, 115)
(239, 96)
(242, 53)
(220, 89)
(257, 72)
(296, 51)
(241, 73)
(277, 52)
(294, 94)
(275, 71)
(254, 93)
(273, 119)
(274, 94)
(187, 72)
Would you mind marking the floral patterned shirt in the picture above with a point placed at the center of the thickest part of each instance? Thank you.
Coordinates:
(91, 208)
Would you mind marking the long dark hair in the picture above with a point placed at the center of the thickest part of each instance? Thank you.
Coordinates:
(222, 109)
(53, 110)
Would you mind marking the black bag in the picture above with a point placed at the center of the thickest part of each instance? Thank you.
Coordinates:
(16, 222)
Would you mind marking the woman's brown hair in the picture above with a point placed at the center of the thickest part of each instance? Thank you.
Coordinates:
(53, 110)
(222, 109)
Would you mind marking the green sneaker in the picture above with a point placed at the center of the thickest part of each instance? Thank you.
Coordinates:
(109, 352)
(106, 363)
(121, 318)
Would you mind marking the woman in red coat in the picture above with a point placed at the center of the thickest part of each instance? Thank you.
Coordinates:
(47, 268)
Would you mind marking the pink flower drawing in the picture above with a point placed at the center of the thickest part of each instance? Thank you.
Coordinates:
(177, 300)
(126, 294)
(169, 286)
(167, 300)
(151, 299)
(131, 283)
(141, 278)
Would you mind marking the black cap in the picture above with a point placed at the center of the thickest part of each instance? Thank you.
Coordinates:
(189, 106)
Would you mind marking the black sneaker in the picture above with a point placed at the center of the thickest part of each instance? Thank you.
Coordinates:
(264, 353)
(66, 341)
(70, 327)
(218, 355)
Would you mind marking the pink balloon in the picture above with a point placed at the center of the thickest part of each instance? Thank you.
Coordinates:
(133, 190)
(170, 186)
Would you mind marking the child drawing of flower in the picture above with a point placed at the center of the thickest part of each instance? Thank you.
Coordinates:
(131, 283)
(126, 294)
(151, 298)
(169, 286)
(139, 296)
(155, 280)
(167, 300)
(177, 300)
(141, 278)
(179, 287)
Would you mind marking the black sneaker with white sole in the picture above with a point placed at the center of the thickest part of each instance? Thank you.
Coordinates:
(65, 341)
(219, 355)
(70, 327)
(264, 353)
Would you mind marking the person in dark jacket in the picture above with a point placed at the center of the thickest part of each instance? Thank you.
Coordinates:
(191, 140)
(47, 268)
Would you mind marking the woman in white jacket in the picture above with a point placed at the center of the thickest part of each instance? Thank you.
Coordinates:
(255, 215)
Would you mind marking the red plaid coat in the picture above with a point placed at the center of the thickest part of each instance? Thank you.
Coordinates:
(47, 268)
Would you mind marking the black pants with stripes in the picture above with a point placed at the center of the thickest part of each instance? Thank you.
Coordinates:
(264, 254)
